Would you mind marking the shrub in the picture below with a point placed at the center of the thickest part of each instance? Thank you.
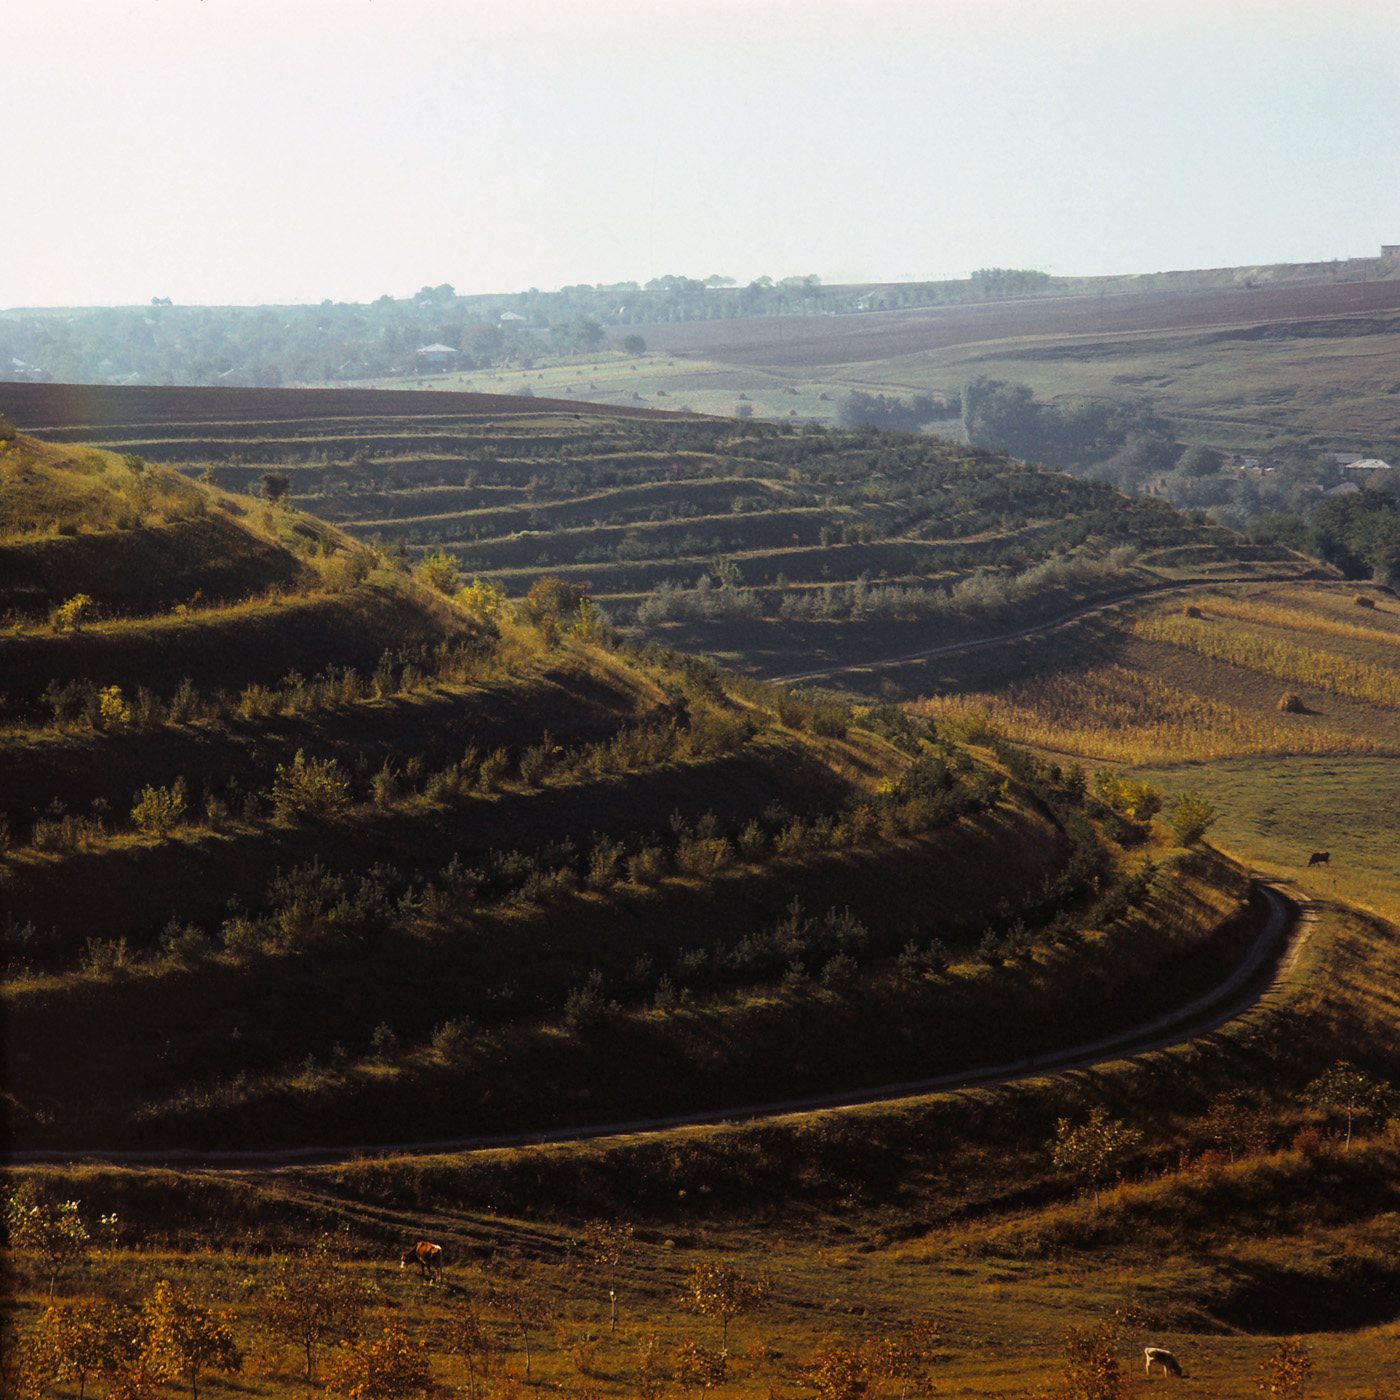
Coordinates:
(484, 599)
(648, 866)
(384, 1043)
(1291, 703)
(310, 787)
(158, 810)
(184, 703)
(586, 1007)
(70, 616)
(1360, 600)
(604, 864)
(535, 762)
(452, 1039)
(704, 855)
(493, 770)
(440, 569)
(111, 708)
(1191, 816)
(839, 971)
(256, 702)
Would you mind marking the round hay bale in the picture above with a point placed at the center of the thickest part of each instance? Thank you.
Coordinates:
(1362, 601)
(1291, 703)
(1191, 610)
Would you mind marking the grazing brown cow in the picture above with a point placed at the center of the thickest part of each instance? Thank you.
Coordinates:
(428, 1257)
(1160, 1356)
(1319, 858)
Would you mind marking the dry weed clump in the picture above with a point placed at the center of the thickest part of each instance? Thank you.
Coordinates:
(1322, 670)
(1124, 716)
(1291, 703)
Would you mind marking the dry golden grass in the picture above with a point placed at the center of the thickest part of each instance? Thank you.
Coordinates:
(1125, 716)
(1286, 661)
(1304, 620)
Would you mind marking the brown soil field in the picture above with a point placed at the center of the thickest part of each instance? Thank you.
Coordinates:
(793, 341)
(47, 409)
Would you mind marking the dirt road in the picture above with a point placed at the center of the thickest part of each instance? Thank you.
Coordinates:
(1263, 971)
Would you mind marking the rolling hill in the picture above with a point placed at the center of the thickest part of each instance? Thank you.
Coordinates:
(307, 844)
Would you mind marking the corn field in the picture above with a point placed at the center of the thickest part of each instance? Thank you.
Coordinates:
(1298, 665)
(1299, 620)
(1124, 716)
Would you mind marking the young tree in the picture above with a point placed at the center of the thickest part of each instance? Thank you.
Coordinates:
(608, 1241)
(1286, 1371)
(313, 1300)
(388, 1368)
(467, 1338)
(1349, 1089)
(1191, 816)
(185, 1339)
(1092, 1149)
(90, 1337)
(1092, 1370)
(440, 569)
(717, 1289)
(634, 345)
(523, 1306)
(276, 487)
(699, 1366)
(53, 1230)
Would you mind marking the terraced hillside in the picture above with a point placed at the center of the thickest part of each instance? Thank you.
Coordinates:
(345, 859)
(770, 548)
(350, 844)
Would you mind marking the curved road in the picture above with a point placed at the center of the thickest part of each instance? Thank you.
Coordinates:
(1083, 610)
(1265, 968)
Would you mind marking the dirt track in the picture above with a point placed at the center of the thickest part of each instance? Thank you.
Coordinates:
(1266, 967)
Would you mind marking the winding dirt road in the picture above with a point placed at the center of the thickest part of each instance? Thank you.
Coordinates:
(1262, 973)
(1035, 630)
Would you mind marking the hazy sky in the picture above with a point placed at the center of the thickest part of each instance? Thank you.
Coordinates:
(223, 151)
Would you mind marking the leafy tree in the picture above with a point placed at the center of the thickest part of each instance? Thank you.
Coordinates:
(391, 1366)
(609, 1241)
(634, 345)
(89, 1337)
(1091, 1150)
(440, 569)
(1092, 1370)
(1286, 1371)
(849, 1372)
(553, 599)
(486, 600)
(276, 487)
(718, 1290)
(310, 787)
(1349, 1089)
(523, 1306)
(54, 1230)
(467, 1338)
(185, 1339)
(1199, 461)
(313, 1301)
(1190, 817)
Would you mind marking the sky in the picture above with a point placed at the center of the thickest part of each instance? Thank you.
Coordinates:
(250, 151)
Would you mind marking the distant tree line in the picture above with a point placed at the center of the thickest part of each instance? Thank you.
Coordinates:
(272, 345)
